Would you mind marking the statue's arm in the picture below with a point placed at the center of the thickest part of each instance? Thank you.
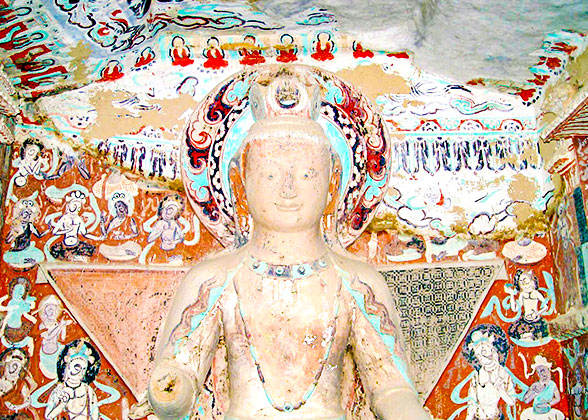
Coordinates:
(378, 350)
(190, 339)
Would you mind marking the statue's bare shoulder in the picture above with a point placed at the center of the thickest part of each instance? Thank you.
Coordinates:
(366, 275)
(213, 267)
(194, 291)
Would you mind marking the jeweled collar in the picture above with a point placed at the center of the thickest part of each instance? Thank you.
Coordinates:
(288, 272)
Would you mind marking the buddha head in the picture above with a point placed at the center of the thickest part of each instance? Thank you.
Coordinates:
(542, 367)
(485, 345)
(78, 362)
(14, 363)
(285, 101)
(284, 174)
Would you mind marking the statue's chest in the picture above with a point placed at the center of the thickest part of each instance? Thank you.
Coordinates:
(300, 322)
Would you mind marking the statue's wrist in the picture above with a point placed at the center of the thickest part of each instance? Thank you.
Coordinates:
(171, 392)
(399, 404)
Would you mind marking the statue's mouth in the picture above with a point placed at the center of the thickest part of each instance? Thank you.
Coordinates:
(288, 207)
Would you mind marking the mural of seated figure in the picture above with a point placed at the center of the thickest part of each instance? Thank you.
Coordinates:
(71, 225)
(288, 305)
(532, 304)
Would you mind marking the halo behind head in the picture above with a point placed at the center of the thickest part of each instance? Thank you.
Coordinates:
(217, 129)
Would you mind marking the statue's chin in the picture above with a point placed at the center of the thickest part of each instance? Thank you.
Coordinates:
(284, 227)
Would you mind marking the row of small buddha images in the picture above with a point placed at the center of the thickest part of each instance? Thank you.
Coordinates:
(250, 53)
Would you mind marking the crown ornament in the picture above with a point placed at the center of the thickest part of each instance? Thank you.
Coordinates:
(287, 103)
(285, 95)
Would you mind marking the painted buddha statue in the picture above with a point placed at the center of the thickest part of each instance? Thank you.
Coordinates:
(290, 308)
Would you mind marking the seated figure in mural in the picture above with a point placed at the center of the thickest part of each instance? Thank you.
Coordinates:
(288, 305)
(32, 162)
(531, 303)
(215, 56)
(543, 393)
(71, 225)
(486, 349)
(323, 47)
(53, 330)
(16, 322)
(23, 252)
(16, 382)
(167, 227)
(121, 226)
(77, 367)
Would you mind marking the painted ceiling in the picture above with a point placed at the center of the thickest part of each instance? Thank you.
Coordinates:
(51, 45)
(460, 84)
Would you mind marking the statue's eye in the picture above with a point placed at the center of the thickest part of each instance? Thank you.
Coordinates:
(270, 176)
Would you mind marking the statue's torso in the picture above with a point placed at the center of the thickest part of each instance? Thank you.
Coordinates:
(290, 327)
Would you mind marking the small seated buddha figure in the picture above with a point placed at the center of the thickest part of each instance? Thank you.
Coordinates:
(288, 305)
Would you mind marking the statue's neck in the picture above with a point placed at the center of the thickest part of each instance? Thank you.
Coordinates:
(287, 247)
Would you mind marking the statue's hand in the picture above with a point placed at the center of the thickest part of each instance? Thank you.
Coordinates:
(165, 385)
(402, 404)
(171, 392)
(141, 409)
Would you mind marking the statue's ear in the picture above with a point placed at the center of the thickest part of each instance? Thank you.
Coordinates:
(242, 217)
(315, 103)
(334, 185)
(330, 214)
(257, 102)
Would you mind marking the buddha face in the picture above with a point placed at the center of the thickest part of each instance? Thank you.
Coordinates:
(121, 209)
(543, 373)
(527, 283)
(287, 183)
(75, 371)
(485, 353)
(169, 212)
(49, 313)
(74, 205)
(18, 291)
(31, 152)
(13, 365)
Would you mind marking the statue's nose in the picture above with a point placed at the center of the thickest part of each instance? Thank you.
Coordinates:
(288, 190)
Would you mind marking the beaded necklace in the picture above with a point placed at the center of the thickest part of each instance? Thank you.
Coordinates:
(288, 272)
(330, 335)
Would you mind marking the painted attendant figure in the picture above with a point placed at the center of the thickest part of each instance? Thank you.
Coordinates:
(289, 306)
(323, 47)
(486, 349)
(77, 367)
(16, 322)
(543, 393)
(215, 57)
(32, 162)
(180, 53)
(250, 54)
(71, 225)
(16, 382)
(531, 303)
(23, 253)
(167, 227)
